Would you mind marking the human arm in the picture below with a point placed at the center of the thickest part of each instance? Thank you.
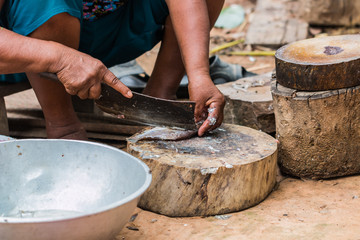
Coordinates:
(79, 73)
(191, 22)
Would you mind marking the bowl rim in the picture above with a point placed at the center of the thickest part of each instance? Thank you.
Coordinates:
(123, 201)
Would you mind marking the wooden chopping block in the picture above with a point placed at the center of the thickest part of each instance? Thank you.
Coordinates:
(319, 132)
(229, 170)
(320, 64)
(249, 103)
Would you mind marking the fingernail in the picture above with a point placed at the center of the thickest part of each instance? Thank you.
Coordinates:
(129, 94)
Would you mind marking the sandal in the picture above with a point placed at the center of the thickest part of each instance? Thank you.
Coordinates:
(223, 72)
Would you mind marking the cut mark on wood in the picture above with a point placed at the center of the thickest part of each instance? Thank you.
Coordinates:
(203, 189)
(210, 145)
(182, 179)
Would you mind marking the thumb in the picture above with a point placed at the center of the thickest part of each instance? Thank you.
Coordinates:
(111, 80)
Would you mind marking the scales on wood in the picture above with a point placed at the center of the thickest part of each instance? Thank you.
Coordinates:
(317, 107)
(228, 170)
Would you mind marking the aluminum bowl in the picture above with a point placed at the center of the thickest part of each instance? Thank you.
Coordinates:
(65, 189)
(5, 138)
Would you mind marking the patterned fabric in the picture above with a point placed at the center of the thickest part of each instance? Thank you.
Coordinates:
(93, 9)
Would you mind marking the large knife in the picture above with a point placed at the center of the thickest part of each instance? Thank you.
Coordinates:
(144, 109)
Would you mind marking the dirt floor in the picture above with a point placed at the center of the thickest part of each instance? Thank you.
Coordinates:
(296, 209)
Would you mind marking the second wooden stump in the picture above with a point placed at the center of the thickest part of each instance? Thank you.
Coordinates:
(319, 132)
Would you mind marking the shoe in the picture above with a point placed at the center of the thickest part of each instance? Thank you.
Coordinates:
(223, 72)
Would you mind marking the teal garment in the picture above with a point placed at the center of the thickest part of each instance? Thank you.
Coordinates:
(118, 37)
(126, 33)
(24, 16)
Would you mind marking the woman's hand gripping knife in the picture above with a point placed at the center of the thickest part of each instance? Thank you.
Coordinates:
(191, 22)
(80, 73)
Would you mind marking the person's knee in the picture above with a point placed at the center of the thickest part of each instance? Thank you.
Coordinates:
(62, 28)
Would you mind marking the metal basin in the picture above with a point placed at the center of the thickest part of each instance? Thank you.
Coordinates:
(64, 189)
(5, 138)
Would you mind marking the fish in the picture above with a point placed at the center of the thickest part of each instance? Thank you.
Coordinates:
(163, 133)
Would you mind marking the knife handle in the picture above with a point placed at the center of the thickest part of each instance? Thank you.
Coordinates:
(51, 76)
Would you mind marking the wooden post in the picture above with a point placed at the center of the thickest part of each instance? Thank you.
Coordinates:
(5, 90)
(4, 126)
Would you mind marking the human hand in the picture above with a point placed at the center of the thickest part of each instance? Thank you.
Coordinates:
(82, 75)
(209, 104)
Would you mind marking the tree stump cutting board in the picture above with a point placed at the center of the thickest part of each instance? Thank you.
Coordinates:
(320, 64)
(249, 102)
(319, 132)
(231, 169)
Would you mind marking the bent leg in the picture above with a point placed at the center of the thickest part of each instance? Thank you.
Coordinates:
(169, 68)
(60, 117)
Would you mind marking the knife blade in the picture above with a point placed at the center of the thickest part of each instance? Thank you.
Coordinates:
(147, 110)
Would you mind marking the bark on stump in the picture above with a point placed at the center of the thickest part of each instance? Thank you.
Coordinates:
(231, 169)
(249, 103)
(320, 64)
(319, 132)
